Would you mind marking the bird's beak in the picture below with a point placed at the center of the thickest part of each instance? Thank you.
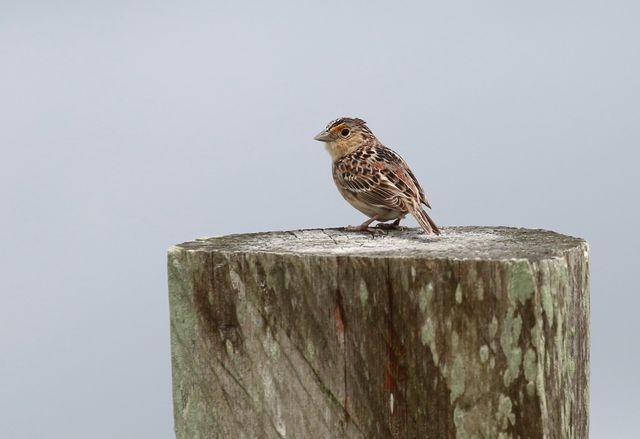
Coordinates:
(324, 136)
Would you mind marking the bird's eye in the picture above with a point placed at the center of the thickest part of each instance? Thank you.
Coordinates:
(345, 132)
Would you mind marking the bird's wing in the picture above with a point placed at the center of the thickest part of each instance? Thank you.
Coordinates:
(380, 177)
(423, 197)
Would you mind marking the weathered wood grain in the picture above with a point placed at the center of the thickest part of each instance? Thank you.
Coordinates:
(478, 333)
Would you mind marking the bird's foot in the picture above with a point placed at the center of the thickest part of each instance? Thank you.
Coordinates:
(390, 226)
(363, 228)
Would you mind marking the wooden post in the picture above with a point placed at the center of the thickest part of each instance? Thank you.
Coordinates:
(479, 333)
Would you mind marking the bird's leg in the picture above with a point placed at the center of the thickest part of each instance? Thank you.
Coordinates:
(390, 226)
(364, 227)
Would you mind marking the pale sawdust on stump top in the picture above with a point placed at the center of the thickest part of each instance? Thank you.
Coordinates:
(477, 243)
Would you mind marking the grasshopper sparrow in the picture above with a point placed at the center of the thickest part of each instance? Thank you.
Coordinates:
(373, 178)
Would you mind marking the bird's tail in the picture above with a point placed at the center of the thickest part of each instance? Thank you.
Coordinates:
(425, 221)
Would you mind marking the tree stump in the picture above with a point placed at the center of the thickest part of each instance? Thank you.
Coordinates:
(478, 333)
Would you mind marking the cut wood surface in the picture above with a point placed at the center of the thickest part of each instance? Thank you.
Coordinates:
(478, 333)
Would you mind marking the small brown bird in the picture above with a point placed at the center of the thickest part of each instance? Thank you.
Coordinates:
(373, 178)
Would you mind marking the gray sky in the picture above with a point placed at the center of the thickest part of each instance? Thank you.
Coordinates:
(128, 127)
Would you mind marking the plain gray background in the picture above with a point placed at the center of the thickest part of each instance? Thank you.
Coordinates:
(126, 127)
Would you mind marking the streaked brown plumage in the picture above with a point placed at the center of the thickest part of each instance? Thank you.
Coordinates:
(373, 178)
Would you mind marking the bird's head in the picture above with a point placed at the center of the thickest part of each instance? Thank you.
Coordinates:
(344, 135)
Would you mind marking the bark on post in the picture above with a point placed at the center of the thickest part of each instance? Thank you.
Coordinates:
(479, 333)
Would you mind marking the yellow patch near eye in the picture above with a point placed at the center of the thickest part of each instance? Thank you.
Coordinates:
(337, 128)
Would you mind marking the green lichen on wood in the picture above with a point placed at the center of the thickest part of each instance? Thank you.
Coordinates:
(457, 378)
(520, 284)
(511, 348)
(484, 353)
(364, 293)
